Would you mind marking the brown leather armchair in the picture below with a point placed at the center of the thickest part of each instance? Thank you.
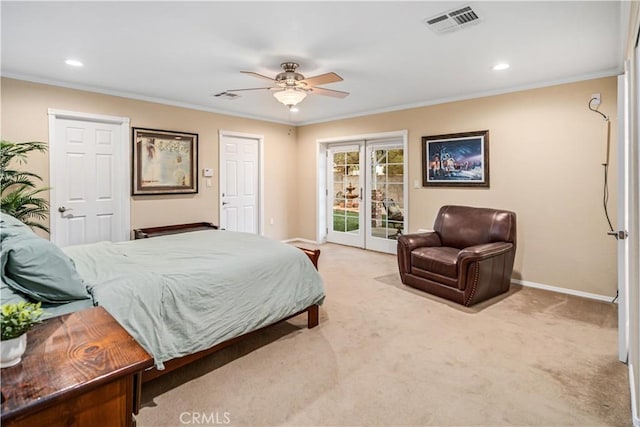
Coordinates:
(468, 258)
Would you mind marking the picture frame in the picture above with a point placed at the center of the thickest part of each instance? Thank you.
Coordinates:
(164, 162)
(456, 160)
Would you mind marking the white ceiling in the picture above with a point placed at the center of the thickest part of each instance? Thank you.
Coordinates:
(181, 53)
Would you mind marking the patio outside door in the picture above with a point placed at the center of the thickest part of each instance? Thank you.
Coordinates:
(386, 196)
(366, 194)
(345, 189)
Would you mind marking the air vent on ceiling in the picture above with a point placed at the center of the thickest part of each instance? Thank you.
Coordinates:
(227, 95)
(452, 20)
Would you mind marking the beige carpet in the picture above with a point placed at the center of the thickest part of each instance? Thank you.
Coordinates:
(387, 355)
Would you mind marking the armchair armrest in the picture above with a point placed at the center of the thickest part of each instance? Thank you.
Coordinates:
(470, 262)
(481, 252)
(409, 242)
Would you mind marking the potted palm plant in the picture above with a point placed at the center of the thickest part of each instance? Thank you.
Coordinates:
(15, 321)
(20, 197)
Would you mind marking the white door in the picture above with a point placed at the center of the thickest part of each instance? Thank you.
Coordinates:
(345, 184)
(89, 179)
(366, 194)
(624, 159)
(240, 182)
(628, 202)
(386, 195)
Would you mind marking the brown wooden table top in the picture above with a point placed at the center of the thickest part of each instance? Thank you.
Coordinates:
(68, 355)
(141, 233)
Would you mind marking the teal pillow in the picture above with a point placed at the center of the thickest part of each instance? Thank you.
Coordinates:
(8, 295)
(11, 226)
(38, 268)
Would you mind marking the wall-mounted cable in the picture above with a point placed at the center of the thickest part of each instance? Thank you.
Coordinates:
(605, 191)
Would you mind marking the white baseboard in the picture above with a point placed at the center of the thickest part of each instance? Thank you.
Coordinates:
(516, 281)
(301, 240)
(562, 290)
(634, 407)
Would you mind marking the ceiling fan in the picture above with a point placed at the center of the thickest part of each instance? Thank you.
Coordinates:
(291, 87)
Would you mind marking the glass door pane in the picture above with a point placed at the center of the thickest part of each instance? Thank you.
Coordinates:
(387, 204)
(345, 188)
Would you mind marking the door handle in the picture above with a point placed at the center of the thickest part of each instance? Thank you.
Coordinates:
(62, 209)
(621, 234)
(225, 203)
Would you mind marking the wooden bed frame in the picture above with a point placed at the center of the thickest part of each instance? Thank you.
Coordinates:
(173, 364)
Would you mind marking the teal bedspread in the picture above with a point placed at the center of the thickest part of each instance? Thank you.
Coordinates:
(183, 293)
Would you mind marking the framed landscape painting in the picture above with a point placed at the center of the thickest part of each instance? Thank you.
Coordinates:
(164, 162)
(456, 160)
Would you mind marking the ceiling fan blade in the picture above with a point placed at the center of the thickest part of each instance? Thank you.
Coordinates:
(260, 76)
(323, 79)
(328, 92)
(251, 88)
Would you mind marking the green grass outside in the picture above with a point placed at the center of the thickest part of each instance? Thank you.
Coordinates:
(339, 220)
(353, 223)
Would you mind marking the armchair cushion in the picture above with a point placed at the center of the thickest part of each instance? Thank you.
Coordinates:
(439, 260)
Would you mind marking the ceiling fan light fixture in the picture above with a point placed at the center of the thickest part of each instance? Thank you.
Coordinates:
(290, 97)
(73, 63)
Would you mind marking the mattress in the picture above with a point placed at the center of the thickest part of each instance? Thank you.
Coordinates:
(182, 293)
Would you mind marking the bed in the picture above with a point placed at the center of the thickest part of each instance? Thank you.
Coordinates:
(178, 295)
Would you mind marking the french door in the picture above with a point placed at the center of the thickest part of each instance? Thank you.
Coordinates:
(366, 194)
(386, 196)
(345, 198)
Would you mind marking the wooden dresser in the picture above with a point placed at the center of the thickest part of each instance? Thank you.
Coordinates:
(80, 369)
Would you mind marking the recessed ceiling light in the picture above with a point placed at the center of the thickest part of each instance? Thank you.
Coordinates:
(73, 63)
(501, 66)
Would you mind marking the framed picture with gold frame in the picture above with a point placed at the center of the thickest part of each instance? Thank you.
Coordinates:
(164, 162)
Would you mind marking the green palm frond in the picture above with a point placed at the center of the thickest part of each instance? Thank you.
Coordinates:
(19, 150)
(11, 177)
(18, 189)
(21, 201)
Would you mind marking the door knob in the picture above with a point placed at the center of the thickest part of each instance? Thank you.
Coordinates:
(621, 234)
(62, 209)
(225, 203)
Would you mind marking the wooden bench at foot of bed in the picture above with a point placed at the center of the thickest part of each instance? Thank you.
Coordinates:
(173, 364)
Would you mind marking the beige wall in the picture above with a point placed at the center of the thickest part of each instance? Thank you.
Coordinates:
(24, 118)
(546, 150)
